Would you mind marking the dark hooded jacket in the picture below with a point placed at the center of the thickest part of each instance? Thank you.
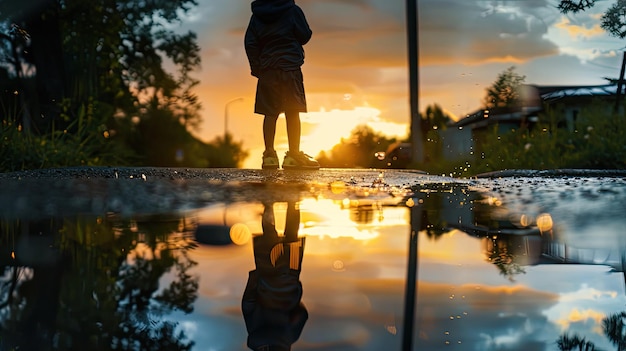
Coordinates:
(276, 33)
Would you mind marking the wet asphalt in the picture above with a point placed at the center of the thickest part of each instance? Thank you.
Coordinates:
(578, 194)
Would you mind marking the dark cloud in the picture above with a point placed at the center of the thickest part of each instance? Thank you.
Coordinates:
(352, 34)
(470, 33)
(357, 33)
(357, 3)
(472, 316)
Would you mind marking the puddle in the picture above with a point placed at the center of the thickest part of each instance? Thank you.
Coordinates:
(513, 263)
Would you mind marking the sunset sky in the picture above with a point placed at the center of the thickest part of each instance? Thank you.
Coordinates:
(356, 68)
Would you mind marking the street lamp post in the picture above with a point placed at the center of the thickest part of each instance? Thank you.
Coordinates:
(226, 114)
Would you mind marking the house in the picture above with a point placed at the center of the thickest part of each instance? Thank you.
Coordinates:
(459, 139)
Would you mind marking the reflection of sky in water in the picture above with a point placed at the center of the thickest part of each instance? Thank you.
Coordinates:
(475, 291)
(354, 275)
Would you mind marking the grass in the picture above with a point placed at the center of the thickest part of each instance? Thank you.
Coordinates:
(596, 142)
(84, 142)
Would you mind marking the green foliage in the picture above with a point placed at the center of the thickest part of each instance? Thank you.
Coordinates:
(575, 343)
(358, 150)
(157, 140)
(595, 143)
(162, 141)
(86, 141)
(433, 120)
(613, 327)
(567, 6)
(111, 80)
(225, 152)
(505, 91)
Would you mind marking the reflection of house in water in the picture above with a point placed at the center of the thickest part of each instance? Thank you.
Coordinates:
(459, 139)
(508, 243)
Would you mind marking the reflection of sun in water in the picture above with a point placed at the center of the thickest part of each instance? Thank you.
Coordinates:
(331, 220)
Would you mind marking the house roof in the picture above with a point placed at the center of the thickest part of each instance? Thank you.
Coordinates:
(483, 117)
(551, 93)
(547, 93)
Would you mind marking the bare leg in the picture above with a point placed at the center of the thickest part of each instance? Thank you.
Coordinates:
(268, 222)
(269, 131)
(293, 130)
(292, 221)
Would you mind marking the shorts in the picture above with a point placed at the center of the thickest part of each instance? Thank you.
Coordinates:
(279, 91)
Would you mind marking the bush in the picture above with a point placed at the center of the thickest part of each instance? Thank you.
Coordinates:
(597, 142)
(85, 142)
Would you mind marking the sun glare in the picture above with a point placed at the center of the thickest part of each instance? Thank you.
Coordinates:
(324, 129)
(321, 130)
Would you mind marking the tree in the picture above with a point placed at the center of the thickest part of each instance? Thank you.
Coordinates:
(224, 152)
(13, 41)
(433, 120)
(160, 140)
(574, 6)
(613, 20)
(574, 343)
(356, 151)
(505, 91)
(112, 51)
(615, 329)
(105, 56)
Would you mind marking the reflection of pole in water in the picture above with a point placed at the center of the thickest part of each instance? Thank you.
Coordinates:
(623, 270)
(410, 295)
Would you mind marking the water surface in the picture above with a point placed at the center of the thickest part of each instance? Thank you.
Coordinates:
(511, 263)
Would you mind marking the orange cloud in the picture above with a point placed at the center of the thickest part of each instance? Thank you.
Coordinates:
(580, 316)
(576, 31)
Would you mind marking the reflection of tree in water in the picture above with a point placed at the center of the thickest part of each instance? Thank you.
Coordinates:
(574, 342)
(501, 252)
(440, 208)
(11, 286)
(613, 327)
(429, 215)
(433, 226)
(104, 292)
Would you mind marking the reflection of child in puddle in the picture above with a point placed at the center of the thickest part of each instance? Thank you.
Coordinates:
(271, 305)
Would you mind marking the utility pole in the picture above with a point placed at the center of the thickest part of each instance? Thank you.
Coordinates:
(417, 144)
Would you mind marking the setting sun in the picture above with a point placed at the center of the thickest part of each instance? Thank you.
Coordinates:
(321, 130)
